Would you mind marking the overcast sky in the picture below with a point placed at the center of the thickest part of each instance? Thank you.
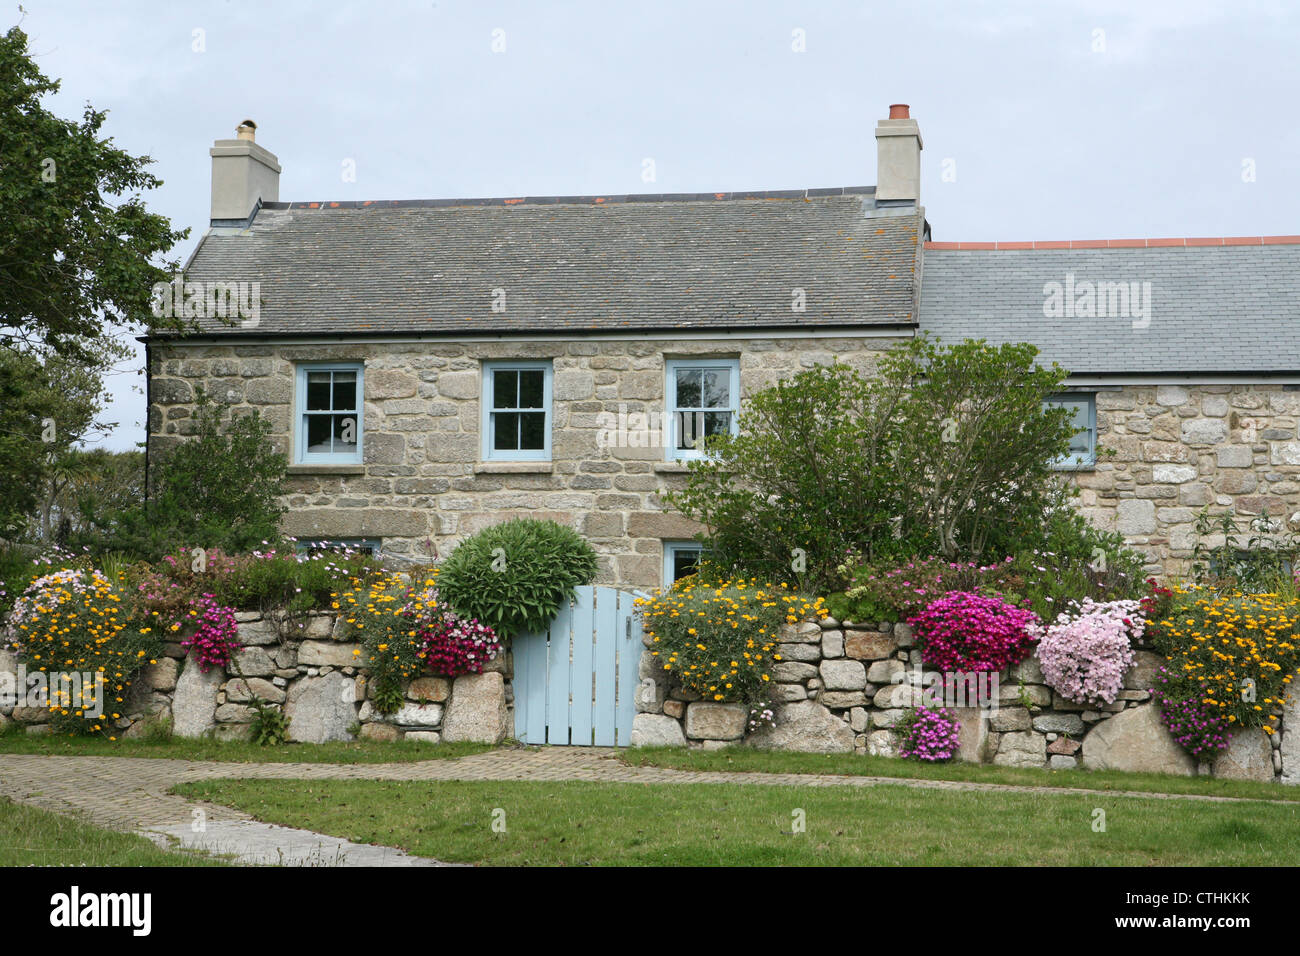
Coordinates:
(1051, 120)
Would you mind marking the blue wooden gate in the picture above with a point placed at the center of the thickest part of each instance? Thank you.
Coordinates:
(575, 684)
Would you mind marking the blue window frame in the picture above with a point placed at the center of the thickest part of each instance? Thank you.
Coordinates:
(1083, 444)
(680, 559)
(702, 398)
(516, 408)
(329, 424)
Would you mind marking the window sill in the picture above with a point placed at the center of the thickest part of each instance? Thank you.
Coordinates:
(326, 469)
(514, 468)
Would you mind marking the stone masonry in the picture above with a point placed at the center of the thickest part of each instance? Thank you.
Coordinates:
(302, 667)
(842, 687)
(423, 478)
(1178, 449)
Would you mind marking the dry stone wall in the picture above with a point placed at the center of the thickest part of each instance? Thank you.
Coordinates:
(303, 668)
(842, 688)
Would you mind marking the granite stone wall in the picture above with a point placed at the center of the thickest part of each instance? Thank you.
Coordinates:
(302, 667)
(842, 688)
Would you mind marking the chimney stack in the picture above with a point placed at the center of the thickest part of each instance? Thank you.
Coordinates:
(243, 174)
(898, 156)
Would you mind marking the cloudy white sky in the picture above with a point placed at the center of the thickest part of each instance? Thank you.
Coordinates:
(1054, 120)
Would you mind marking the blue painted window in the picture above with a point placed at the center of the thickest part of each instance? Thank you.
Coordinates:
(1083, 444)
(516, 411)
(702, 398)
(329, 423)
(680, 559)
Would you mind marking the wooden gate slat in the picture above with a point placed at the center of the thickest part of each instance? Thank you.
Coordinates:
(520, 648)
(628, 640)
(558, 677)
(537, 689)
(586, 632)
(606, 697)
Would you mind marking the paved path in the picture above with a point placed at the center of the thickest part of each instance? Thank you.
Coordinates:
(130, 793)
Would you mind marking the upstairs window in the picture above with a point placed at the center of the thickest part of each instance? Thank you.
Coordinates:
(517, 411)
(702, 398)
(1083, 443)
(329, 421)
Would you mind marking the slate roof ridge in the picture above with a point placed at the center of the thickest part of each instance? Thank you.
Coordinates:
(592, 200)
(1188, 243)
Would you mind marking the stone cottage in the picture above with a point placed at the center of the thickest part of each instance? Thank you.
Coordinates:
(432, 367)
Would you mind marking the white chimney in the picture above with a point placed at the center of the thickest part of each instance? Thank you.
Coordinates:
(243, 174)
(898, 156)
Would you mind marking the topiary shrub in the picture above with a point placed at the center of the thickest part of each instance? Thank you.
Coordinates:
(515, 576)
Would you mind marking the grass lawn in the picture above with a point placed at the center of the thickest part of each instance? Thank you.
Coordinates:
(32, 837)
(180, 748)
(744, 760)
(730, 824)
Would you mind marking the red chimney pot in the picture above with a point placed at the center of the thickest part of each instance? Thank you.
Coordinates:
(899, 111)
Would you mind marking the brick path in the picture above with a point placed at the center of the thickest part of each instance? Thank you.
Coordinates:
(130, 793)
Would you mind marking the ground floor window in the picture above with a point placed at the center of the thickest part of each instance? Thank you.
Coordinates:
(367, 546)
(681, 558)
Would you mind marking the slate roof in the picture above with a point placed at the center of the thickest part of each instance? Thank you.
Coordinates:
(573, 264)
(1229, 306)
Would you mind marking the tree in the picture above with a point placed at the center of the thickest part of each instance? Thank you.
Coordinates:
(48, 407)
(76, 242)
(976, 445)
(221, 488)
(942, 447)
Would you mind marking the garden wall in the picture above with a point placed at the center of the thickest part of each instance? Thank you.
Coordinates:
(301, 666)
(843, 687)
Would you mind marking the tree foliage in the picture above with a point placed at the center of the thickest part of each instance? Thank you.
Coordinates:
(77, 245)
(935, 453)
(220, 488)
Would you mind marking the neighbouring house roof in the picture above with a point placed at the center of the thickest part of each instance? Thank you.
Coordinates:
(1217, 305)
(572, 264)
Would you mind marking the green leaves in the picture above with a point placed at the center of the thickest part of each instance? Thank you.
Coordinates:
(935, 452)
(515, 576)
(77, 246)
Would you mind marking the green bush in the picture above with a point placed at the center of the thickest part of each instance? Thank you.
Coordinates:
(220, 488)
(934, 453)
(515, 576)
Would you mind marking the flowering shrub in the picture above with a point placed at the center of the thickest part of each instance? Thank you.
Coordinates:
(895, 592)
(1156, 604)
(970, 632)
(75, 583)
(74, 621)
(404, 630)
(928, 734)
(720, 640)
(453, 646)
(1237, 653)
(1197, 727)
(215, 637)
(1085, 653)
